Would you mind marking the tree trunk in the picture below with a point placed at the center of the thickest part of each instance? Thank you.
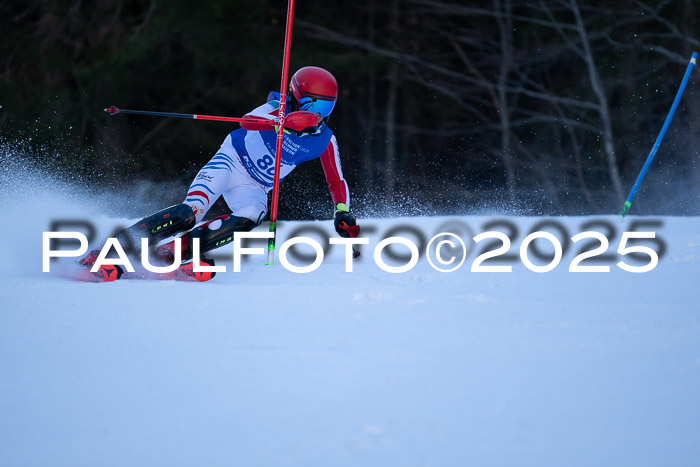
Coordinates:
(390, 144)
(369, 156)
(598, 89)
(504, 28)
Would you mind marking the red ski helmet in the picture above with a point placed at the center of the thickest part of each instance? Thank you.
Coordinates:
(314, 89)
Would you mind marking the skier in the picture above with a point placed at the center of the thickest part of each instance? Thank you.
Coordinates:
(242, 172)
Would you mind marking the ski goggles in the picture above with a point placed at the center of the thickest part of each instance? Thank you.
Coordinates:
(321, 106)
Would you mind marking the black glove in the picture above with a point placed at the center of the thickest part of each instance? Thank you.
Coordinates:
(345, 224)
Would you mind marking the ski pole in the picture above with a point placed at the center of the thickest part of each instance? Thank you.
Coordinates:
(116, 110)
(280, 133)
(659, 138)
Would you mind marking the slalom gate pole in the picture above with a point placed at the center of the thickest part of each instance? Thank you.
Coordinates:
(116, 110)
(280, 133)
(659, 138)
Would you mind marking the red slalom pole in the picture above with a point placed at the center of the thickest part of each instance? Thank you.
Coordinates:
(280, 133)
(116, 110)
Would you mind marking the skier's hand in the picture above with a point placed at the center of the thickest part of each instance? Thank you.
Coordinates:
(302, 121)
(345, 224)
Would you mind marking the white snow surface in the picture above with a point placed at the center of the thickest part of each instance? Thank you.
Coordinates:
(268, 367)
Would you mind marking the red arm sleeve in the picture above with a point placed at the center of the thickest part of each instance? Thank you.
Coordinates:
(256, 119)
(252, 123)
(330, 160)
(297, 121)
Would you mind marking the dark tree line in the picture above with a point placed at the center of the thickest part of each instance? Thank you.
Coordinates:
(456, 106)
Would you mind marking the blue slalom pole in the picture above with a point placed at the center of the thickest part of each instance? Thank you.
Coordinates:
(659, 138)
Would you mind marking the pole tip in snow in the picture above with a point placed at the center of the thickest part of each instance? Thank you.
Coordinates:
(625, 209)
(112, 110)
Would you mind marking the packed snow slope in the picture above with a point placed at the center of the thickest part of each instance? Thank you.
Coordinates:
(422, 368)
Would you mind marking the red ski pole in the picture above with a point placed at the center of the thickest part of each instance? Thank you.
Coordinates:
(280, 133)
(116, 110)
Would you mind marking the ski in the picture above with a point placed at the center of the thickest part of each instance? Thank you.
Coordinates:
(111, 273)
